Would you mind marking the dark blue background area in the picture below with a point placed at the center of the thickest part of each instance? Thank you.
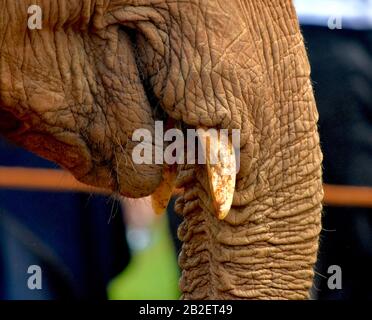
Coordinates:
(77, 239)
(341, 62)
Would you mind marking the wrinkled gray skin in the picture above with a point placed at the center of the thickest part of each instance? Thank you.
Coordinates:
(75, 91)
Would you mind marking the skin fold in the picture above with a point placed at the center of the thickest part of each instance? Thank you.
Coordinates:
(75, 91)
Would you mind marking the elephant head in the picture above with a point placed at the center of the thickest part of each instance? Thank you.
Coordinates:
(75, 91)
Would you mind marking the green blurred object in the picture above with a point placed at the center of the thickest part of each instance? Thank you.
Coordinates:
(152, 273)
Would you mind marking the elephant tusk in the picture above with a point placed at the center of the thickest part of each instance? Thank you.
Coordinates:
(221, 168)
(163, 193)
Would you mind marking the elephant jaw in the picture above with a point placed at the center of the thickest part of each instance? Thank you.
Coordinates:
(221, 173)
(71, 151)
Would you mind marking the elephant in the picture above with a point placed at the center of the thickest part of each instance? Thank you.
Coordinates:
(75, 90)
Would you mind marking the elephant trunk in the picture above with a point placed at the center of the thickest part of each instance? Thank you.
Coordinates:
(263, 250)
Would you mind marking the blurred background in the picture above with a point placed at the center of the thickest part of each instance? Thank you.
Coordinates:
(90, 245)
(87, 245)
(338, 37)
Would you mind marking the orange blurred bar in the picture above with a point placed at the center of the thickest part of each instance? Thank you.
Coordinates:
(43, 180)
(59, 180)
(347, 196)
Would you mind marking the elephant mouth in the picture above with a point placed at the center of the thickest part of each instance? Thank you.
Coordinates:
(77, 158)
(221, 169)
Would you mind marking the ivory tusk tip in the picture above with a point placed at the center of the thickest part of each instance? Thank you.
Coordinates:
(221, 171)
(162, 195)
(159, 210)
